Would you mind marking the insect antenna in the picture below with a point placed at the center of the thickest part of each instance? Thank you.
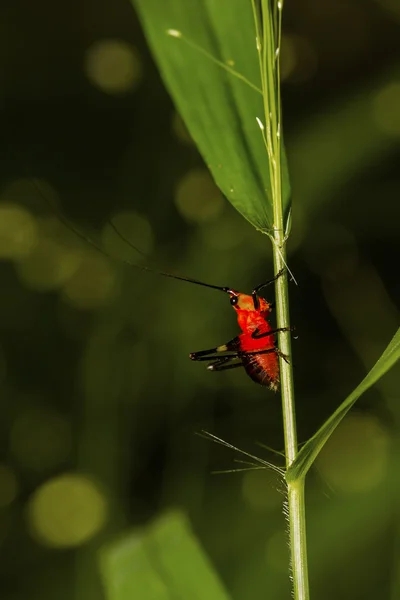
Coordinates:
(124, 239)
(67, 223)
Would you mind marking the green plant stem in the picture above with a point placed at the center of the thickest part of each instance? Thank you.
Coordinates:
(298, 546)
(295, 489)
(268, 32)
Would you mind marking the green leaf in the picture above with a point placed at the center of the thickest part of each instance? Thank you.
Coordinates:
(219, 108)
(313, 446)
(162, 562)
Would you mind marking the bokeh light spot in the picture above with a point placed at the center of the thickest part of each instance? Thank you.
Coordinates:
(133, 240)
(18, 231)
(8, 486)
(47, 268)
(52, 260)
(259, 490)
(197, 197)
(40, 439)
(224, 234)
(385, 109)
(93, 284)
(356, 456)
(33, 194)
(67, 511)
(114, 66)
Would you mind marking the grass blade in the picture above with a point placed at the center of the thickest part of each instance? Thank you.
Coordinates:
(211, 68)
(313, 446)
(163, 562)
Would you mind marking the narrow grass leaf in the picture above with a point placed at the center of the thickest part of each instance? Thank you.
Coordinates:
(162, 562)
(210, 66)
(313, 446)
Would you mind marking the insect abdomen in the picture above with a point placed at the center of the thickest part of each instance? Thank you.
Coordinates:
(263, 369)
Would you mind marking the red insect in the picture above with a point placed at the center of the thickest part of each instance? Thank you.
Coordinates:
(254, 349)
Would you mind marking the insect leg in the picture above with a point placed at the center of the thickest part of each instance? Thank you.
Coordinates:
(256, 335)
(213, 354)
(224, 365)
(268, 351)
(230, 346)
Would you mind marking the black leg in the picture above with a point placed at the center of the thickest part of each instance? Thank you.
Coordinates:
(256, 335)
(224, 366)
(238, 354)
(256, 290)
(268, 351)
(195, 356)
(231, 346)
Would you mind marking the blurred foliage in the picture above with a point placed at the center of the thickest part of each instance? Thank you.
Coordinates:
(160, 562)
(100, 402)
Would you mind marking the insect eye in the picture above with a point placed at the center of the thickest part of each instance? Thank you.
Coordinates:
(234, 300)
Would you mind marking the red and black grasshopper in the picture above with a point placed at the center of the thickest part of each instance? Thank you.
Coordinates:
(254, 349)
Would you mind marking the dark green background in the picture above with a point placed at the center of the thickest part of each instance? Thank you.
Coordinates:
(120, 376)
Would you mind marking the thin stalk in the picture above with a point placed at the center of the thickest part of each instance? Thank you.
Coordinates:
(268, 31)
